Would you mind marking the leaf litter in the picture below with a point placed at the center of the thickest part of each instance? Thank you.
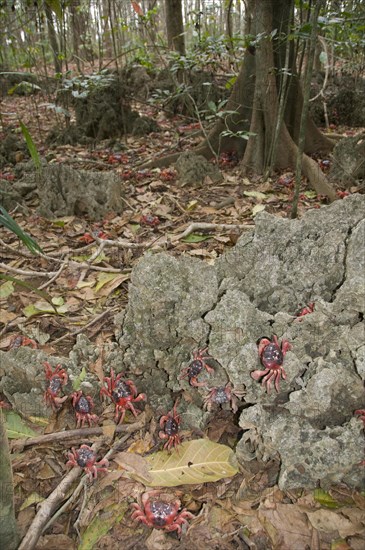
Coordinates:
(233, 509)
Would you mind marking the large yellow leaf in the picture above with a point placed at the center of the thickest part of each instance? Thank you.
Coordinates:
(197, 461)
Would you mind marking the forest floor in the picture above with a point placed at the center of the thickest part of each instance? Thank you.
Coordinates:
(240, 512)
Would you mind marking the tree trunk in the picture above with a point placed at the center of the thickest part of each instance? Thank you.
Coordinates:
(175, 26)
(53, 39)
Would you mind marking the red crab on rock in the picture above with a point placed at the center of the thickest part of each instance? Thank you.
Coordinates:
(272, 357)
(222, 394)
(18, 340)
(161, 514)
(360, 413)
(83, 406)
(199, 363)
(56, 379)
(306, 310)
(123, 393)
(85, 458)
(170, 428)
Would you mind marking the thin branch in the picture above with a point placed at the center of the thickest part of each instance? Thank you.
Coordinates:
(17, 445)
(327, 67)
(48, 283)
(27, 273)
(119, 243)
(82, 329)
(210, 226)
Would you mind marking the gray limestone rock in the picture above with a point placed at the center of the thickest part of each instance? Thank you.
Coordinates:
(307, 454)
(193, 169)
(286, 263)
(63, 192)
(348, 164)
(164, 321)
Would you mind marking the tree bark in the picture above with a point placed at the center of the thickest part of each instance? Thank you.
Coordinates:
(175, 26)
(53, 38)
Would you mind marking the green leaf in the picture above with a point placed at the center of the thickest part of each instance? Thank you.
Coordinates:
(105, 278)
(195, 238)
(58, 301)
(24, 88)
(134, 227)
(15, 427)
(19, 282)
(7, 221)
(325, 499)
(40, 308)
(76, 384)
(99, 526)
(34, 498)
(230, 83)
(59, 223)
(197, 461)
(81, 258)
(31, 146)
(6, 289)
(310, 194)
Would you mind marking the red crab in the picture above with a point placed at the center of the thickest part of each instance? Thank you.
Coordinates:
(18, 340)
(83, 406)
(307, 309)
(272, 357)
(85, 458)
(170, 428)
(360, 413)
(193, 370)
(148, 219)
(221, 395)
(123, 393)
(56, 379)
(160, 514)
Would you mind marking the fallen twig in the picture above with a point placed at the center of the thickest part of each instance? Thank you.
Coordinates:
(85, 327)
(46, 509)
(119, 243)
(196, 226)
(82, 433)
(45, 285)
(25, 273)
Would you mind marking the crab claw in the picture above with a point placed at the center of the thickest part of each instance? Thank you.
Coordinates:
(257, 374)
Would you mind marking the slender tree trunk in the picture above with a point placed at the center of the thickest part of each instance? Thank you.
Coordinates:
(175, 26)
(53, 38)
